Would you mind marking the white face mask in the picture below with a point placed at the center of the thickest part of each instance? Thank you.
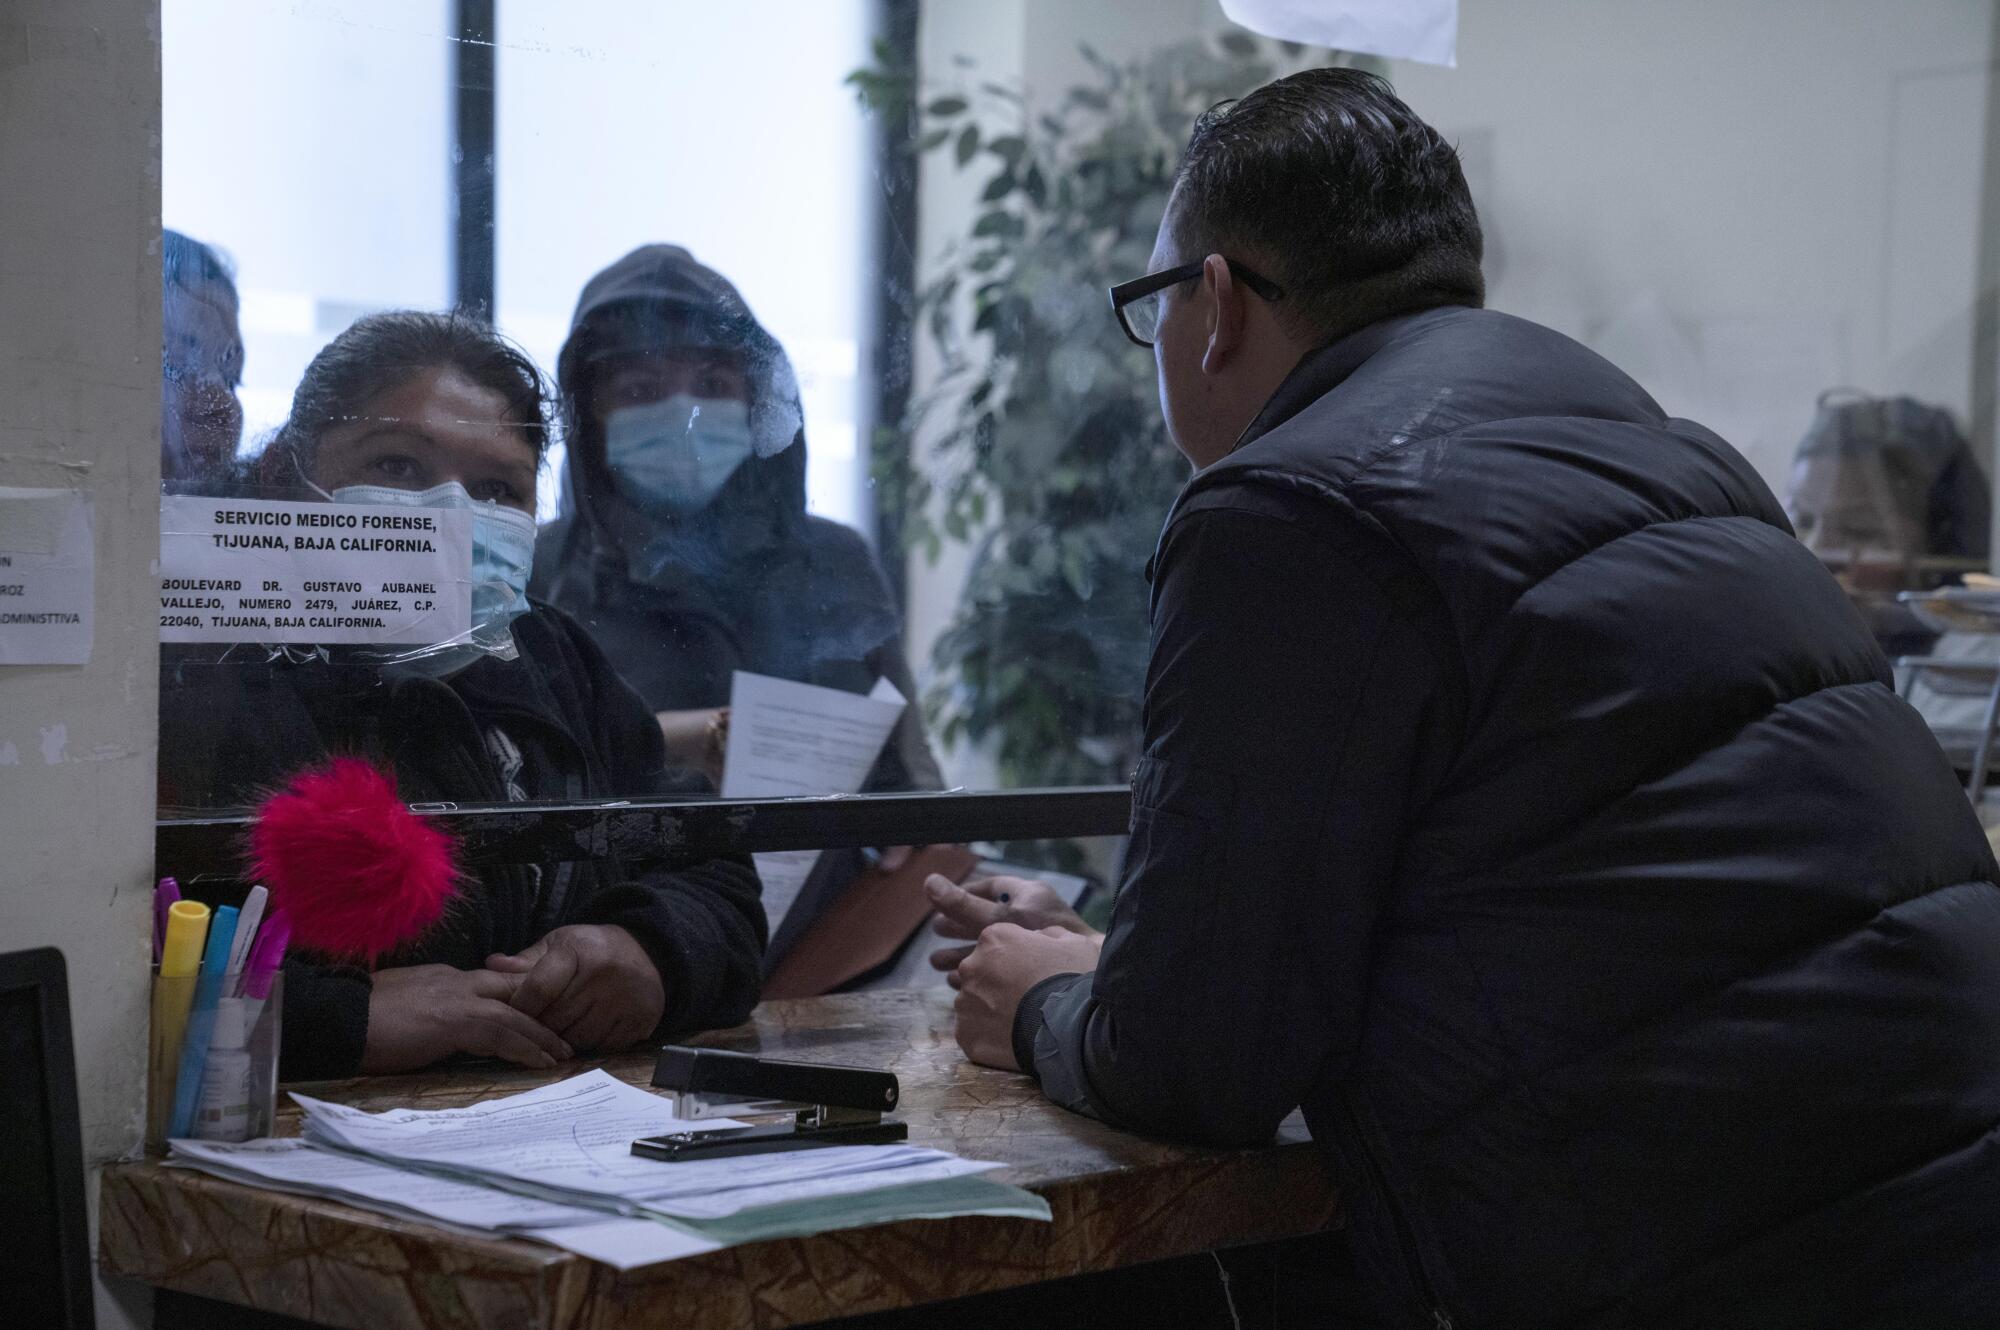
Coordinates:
(503, 551)
(678, 453)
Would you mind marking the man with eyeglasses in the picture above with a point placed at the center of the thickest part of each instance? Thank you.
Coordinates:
(1519, 799)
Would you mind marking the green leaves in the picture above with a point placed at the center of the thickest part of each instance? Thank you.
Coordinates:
(1036, 188)
(999, 225)
(1039, 446)
(879, 91)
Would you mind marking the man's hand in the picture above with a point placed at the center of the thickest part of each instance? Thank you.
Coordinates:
(1006, 963)
(965, 912)
(418, 1014)
(593, 984)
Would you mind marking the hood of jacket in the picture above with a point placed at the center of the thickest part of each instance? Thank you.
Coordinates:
(661, 296)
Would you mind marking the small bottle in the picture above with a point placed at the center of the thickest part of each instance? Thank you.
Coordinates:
(224, 1114)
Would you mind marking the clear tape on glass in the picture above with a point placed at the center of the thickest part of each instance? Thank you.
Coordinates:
(493, 638)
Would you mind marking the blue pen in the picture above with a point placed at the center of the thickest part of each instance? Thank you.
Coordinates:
(201, 1021)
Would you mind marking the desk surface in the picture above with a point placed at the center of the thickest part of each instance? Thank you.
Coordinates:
(1117, 1200)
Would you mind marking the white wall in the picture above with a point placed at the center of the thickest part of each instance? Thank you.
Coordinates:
(1742, 204)
(947, 201)
(80, 406)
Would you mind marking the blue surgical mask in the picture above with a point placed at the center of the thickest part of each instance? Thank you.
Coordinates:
(503, 550)
(677, 453)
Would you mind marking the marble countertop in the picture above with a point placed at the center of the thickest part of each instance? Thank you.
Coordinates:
(1117, 1200)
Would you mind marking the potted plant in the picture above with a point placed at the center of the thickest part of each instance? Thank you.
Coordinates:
(1041, 438)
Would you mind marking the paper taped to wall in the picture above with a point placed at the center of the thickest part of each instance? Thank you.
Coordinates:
(48, 584)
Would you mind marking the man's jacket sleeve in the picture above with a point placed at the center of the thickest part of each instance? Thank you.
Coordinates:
(1289, 696)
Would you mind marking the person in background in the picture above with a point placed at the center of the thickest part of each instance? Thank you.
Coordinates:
(1518, 798)
(684, 545)
(1887, 492)
(201, 419)
(536, 961)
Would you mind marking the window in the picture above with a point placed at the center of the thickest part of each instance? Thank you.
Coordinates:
(306, 142)
(774, 189)
(899, 222)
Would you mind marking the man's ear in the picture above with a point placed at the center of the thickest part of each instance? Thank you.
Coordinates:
(1225, 314)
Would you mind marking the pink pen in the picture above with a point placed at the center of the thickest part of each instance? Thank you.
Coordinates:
(266, 955)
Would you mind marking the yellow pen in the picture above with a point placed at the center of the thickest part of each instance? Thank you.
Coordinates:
(173, 991)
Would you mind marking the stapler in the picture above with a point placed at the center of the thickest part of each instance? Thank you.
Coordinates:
(828, 1105)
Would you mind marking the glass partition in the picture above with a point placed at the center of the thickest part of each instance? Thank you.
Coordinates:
(758, 389)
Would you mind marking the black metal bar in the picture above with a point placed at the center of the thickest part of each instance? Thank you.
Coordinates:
(671, 832)
(472, 159)
(892, 313)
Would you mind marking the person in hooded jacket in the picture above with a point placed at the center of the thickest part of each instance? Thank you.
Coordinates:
(684, 545)
(531, 962)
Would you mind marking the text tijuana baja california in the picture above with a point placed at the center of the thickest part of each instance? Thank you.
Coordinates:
(344, 544)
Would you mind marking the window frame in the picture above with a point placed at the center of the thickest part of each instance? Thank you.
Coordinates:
(673, 833)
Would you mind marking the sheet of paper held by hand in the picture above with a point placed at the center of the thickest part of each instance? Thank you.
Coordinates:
(789, 739)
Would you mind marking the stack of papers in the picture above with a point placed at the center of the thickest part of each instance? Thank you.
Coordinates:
(555, 1164)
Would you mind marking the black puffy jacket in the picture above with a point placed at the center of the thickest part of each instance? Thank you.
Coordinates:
(1627, 938)
(232, 730)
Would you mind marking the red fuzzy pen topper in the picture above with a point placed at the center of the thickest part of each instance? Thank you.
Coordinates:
(354, 870)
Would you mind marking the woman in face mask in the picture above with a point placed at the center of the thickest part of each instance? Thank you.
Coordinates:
(685, 546)
(533, 962)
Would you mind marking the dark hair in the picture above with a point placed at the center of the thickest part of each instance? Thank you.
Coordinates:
(380, 351)
(1357, 207)
(185, 262)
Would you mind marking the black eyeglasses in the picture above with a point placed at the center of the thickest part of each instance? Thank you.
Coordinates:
(1138, 303)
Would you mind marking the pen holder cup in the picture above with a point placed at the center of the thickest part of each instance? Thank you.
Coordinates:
(212, 1060)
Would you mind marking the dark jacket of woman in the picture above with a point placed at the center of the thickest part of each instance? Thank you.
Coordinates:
(555, 723)
(752, 582)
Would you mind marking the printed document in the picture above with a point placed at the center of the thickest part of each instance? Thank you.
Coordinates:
(572, 1142)
(789, 739)
(302, 1168)
(48, 587)
(555, 1164)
